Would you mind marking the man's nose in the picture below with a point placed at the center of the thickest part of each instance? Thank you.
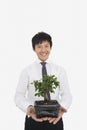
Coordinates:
(43, 49)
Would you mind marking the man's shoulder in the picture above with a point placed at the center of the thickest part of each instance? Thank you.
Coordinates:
(28, 67)
(57, 66)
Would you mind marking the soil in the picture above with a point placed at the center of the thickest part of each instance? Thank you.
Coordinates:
(42, 102)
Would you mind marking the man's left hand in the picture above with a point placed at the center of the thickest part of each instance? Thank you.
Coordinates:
(55, 120)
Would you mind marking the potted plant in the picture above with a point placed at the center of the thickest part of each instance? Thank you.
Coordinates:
(46, 107)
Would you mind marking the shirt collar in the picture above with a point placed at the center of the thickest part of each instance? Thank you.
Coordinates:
(47, 61)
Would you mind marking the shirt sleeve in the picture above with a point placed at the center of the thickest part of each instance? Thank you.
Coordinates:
(20, 96)
(64, 92)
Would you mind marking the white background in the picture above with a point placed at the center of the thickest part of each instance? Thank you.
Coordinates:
(65, 21)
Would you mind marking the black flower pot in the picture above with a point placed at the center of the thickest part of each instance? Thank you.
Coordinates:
(46, 108)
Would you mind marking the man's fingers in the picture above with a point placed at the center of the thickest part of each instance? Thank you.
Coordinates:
(56, 120)
(33, 116)
(52, 120)
(45, 118)
(38, 119)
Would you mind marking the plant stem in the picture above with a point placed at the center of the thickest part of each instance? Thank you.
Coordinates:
(47, 95)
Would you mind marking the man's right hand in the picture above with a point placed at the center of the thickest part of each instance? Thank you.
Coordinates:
(31, 112)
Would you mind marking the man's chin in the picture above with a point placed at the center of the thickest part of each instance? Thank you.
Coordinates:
(43, 59)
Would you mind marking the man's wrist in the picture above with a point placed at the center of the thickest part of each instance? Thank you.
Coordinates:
(29, 109)
(63, 109)
(30, 106)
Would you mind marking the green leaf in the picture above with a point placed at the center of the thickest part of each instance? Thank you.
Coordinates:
(49, 82)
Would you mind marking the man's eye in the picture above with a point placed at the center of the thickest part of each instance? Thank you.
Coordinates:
(39, 46)
(46, 46)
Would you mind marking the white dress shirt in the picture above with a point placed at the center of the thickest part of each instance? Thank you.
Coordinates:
(25, 92)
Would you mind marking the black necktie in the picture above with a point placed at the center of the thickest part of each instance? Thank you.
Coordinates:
(44, 72)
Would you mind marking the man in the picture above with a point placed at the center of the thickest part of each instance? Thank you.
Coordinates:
(25, 92)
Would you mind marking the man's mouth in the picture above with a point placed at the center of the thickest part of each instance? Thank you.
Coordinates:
(44, 54)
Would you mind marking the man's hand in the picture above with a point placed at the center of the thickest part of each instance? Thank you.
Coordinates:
(55, 120)
(31, 112)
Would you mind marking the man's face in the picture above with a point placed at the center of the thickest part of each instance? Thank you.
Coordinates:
(43, 50)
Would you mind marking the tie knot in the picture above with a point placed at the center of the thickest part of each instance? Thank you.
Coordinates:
(43, 63)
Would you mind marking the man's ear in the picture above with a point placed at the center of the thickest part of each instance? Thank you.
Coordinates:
(51, 48)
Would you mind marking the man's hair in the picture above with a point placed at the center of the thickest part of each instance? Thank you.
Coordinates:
(40, 37)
